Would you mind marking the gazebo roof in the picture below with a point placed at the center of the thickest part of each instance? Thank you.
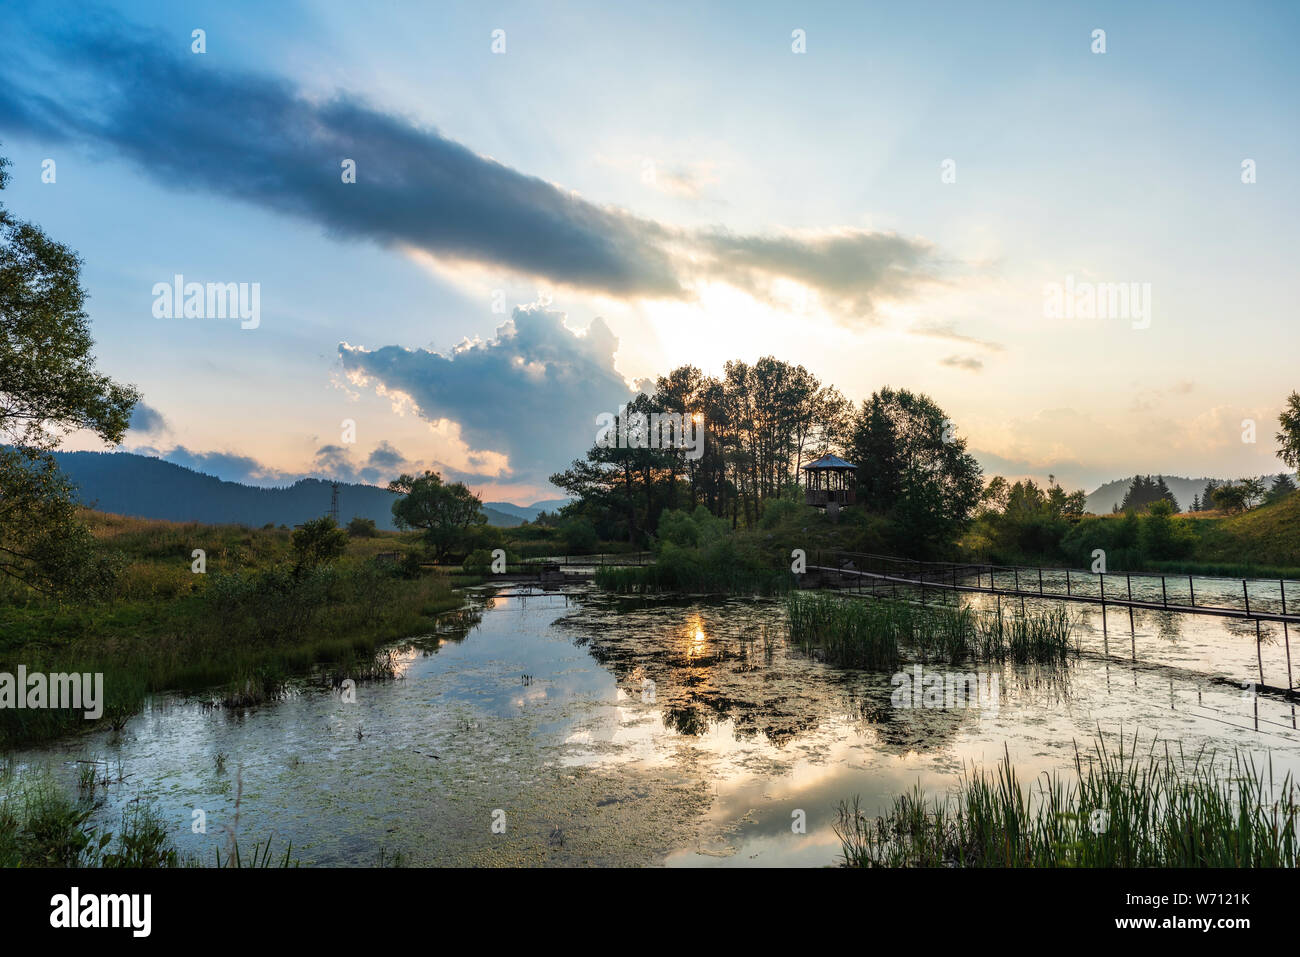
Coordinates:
(830, 462)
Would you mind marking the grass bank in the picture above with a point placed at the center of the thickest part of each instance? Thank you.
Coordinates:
(246, 623)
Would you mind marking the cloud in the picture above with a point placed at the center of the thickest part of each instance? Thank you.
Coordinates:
(852, 269)
(332, 462)
(147, 420)
(532, 392)
(948, 332)
(189, 124)
(382, 465)
(969, 363)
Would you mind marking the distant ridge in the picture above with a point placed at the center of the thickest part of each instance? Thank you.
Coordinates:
(146, 487)
(529, 512)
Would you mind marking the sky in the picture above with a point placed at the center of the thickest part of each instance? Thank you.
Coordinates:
(556, 202)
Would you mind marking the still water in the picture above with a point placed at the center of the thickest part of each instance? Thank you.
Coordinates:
(573, 728)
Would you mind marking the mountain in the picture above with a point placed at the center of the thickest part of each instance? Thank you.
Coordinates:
(147, 487)
(1101, 501)
(529, 512)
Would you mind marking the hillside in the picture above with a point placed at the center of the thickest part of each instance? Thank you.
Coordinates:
(1269, 536)
(145, 487)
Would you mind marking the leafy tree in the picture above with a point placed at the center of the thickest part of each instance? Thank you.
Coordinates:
(445, 513)
(1289, 435)
(995, 494)
(1232, 497)
(1253, 491)
(49, 386)
(913, 469)
(318, 542)
(362, 527)
(1162, 536)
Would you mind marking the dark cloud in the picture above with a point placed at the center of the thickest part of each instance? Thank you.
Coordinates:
(334, 462)
(384, 456)
(382, 465)
(533, 392)
(189, 124)
(147, 420)
(969, 363)
(852, 269)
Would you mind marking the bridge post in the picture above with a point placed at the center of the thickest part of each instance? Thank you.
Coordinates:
(1246, 591)
(1259, 657)
(1191, 590)
(1164, 592)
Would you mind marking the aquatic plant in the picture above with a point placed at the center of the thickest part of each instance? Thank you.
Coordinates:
(877, 633)
(1120, 808)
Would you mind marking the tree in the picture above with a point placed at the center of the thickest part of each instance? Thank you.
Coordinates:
(362, 527)
(912, 468)
(1207, 497)
(319, 542)
(445, 513)
(1282, 486)
(1289, 436)
(1143, 491)
(49, 386)
(1252, 491)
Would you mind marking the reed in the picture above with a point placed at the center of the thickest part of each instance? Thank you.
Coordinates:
(1121, 807)
(878, 633)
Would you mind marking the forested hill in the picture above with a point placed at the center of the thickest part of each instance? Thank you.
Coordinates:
(147, 487)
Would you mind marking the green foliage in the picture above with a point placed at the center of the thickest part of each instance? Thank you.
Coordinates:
(1143, 491)
(49, 386)
(1288, 435)
(1024, 520)
(319, 542)
(446, 514)
(1283, 485)
(578, 535)
(362, 528)
(912, 468)
(43, 542)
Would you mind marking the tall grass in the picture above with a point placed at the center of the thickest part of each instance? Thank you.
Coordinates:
(876, 633)
(1120, 808)
(1042, 637)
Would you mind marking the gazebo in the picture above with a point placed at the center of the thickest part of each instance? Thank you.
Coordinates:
(829, 481)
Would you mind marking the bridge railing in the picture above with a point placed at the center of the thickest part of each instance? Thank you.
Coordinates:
(1276, 599)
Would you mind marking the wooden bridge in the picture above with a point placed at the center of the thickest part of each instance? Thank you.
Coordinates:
(1249, 599)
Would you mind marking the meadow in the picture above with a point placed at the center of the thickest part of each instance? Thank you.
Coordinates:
(245, 624)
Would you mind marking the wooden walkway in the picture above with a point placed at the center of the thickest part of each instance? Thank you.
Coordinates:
(1260, 599)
